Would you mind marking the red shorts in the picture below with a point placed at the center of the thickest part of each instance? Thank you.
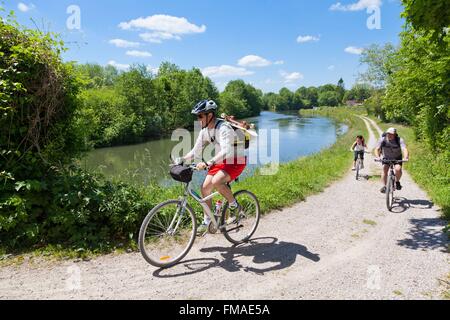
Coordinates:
(234, 169)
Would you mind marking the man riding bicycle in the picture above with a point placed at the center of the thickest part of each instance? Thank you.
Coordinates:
(390, 146)
(229, 160)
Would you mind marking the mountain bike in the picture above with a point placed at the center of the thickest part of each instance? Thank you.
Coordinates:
(170, 228)
(390, 185)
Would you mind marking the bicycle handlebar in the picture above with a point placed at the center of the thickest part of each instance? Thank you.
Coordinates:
(192, 166)
(361, 151)
(390, 161)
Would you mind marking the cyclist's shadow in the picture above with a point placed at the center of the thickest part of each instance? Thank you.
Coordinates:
(280, 255)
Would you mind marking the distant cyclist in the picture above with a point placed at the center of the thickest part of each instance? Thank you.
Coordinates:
(228, 163)
(359, 146)
(391, 147)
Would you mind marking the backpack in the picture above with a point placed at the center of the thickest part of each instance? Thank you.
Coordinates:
(238, 127)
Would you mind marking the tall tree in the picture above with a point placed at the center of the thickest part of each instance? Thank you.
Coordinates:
(381, 64)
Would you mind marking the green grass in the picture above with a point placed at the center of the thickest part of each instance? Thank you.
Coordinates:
(430, 171)
(369, 222)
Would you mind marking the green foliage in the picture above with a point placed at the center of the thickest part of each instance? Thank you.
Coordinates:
(139, 105)
(69, 207)
(374, 104)
(309, 96)
(241, 99)
(38, 101)
(431, 16)
(96, 76)
(418, 92)
(381, 64)
(329, 98)
(359, 92)
(285, 100)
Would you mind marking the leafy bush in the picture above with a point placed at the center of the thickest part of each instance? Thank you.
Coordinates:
(69, 207)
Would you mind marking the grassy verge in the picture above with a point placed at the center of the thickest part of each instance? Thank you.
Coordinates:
(430, 171)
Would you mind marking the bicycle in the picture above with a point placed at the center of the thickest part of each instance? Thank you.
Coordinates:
(169, 230)
(390, 185)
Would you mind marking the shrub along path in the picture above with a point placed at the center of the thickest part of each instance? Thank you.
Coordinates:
(339, 244)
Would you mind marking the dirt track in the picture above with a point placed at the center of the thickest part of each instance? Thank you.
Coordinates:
(340, 244)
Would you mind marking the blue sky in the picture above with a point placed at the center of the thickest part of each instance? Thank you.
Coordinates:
(268, 43)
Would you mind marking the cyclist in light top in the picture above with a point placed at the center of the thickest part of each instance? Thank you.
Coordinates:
(358, 147)
(227, 164)
(391, 146)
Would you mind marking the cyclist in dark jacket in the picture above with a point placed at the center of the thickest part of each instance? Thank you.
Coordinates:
(391, 147)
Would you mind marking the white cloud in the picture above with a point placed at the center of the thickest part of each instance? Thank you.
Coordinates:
(253, 61)
(291, 77)
(225, 71)
(139, 54)
(157, 37)
(278, 62)
(354, 50)
(118, 66)
(358, 6)
(331, 68)
(303, 39)
(25, 8)
(162, 27)
(124, 43)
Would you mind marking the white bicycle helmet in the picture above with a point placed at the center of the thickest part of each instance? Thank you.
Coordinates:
(204, 106)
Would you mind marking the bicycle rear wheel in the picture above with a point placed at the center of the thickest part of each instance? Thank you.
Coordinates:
(247, 220)
(167, 233)
(390, 193)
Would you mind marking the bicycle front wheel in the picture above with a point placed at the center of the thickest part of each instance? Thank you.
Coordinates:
(243, 226)
(167, 233)
(358, 166)
(390, 194)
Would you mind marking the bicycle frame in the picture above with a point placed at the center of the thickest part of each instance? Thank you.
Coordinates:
(202, 202)
(188, 191)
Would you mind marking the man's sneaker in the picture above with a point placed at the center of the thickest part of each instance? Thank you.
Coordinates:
(383, 190)
(203, 228)
(398, 186)
(234, 212)
(353, 169)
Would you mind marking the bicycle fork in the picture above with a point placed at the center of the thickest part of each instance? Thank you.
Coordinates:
(178, 215)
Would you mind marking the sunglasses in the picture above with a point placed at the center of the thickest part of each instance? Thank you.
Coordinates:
(201, 116)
